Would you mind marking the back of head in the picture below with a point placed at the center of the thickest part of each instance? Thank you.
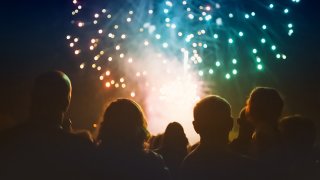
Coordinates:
(51, 94)
(265, 105)
(174, 137)
(124, 125)
(298, 133)
(212, 118)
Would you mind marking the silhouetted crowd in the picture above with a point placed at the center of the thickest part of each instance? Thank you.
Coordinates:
(267, 147)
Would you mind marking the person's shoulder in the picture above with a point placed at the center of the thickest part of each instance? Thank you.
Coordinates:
(194, 154)
(78, 138)
(84, 135)
(76, 142)
(191, 159)
(189, 166)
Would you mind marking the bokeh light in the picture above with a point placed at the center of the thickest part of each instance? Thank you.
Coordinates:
(166, 53)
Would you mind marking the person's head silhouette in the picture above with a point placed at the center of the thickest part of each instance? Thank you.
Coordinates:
(124, 125)
(212, 120)
(299, 158)
(264, 106)
(174, 137)
(50, 97)
(298, 133)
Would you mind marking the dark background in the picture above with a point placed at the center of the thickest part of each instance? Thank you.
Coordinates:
(33, 34)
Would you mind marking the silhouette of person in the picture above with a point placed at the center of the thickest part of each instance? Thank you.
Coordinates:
(121, 151)
(242, 143)
(40, 148)
(298, 135)
(174, 147)
(212, 159)
(264, 108)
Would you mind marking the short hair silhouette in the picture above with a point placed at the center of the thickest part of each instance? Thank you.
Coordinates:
(40, 148)
(298, 133)
(212, 116)
(51, 94)
(212, 158)
(265, 105)
(124, 124)
(174, 136)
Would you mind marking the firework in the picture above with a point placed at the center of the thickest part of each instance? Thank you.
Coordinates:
(167, 50)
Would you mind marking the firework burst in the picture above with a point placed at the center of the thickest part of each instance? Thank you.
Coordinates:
(167, 50)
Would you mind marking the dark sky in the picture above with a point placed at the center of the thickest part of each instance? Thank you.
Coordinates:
(33, 34)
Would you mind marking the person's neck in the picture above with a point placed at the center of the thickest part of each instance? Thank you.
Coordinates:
(214, 143)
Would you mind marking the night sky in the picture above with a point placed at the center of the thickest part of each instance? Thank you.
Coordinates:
(33, 41)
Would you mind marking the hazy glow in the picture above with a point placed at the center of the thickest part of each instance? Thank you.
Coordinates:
(169, 90)
(165, 53)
